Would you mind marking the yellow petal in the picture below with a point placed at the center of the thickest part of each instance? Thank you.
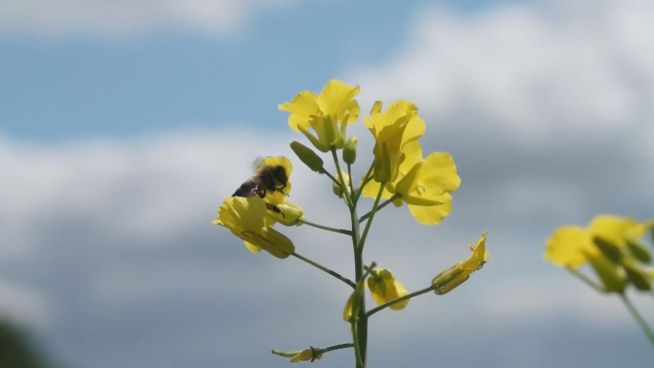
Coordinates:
(301, 108)
(569, 246)
(336, 97)
(432, 215)
(384, 288)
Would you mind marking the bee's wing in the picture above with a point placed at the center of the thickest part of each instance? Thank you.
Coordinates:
(258, 163)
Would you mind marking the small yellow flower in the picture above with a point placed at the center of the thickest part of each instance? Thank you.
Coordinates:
(454, 276)
(573, 246)
(393, 129)
(307, 355)
(247, 218)
(327, 114)
(384, 288)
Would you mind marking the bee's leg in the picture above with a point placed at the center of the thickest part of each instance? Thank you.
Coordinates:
(274, 209)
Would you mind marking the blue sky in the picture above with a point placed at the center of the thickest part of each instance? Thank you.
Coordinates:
(69, 85)
(123, 125)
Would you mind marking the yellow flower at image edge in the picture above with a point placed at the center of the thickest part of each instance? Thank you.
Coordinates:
(247, 218)
(573, 246)
(454, 276)
(384, 288)
(327, 114)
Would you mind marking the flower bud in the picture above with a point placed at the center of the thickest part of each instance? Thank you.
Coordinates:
(307, 355)
(308, 157)
(637, 277)
(609, 249)
(350, 150)
(337, 188)
(454, 276)
(287, 213)
(639, 251)
(609, 273)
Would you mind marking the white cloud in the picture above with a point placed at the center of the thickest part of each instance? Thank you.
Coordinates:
(122, 17)
(536, 72)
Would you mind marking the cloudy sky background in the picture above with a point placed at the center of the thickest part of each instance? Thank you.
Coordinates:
(123, 126)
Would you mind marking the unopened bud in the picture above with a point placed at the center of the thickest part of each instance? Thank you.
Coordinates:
(639, 250)
(336, 187)
(287, 213)
(308, 157)
(449, 279)
(350, 150)
(609, 273)
(610, 250)
(637, 277)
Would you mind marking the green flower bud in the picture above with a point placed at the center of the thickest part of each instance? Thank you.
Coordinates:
(449, 279)
(286, 213)
(637, 276)
(308, 157)
(639, 251)
(609, 273)
(610, 250)
(337, 188)
(350, 150)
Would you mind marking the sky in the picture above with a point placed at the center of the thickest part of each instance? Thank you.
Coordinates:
(124, 124)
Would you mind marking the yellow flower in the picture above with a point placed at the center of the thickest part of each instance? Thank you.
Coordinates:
(327, 114)
(384, 288)
(393, 129)
(573, 246)
(454, 276)
(247, 218)
(424, 184)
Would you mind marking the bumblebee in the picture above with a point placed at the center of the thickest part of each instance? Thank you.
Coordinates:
(271, 175)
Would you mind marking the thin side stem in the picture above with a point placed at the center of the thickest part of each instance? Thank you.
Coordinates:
(349, 174)
(343, 185)
(372, 216)
(327, 228)
(337, 347)
(638, 317)
(366, 179)
(397, 300)
(586, 280)
(382, 205)
(331, 177)
(324, 269)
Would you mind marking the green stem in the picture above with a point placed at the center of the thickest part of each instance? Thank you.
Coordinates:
(328, 228)
(331, 177)
(638, 317)
(372, 216)
(397, 300)
(349, 173)
(346, 195)
(324, 269)
(382, 205)
(365, 181)
(586, 280)
(337, 347)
